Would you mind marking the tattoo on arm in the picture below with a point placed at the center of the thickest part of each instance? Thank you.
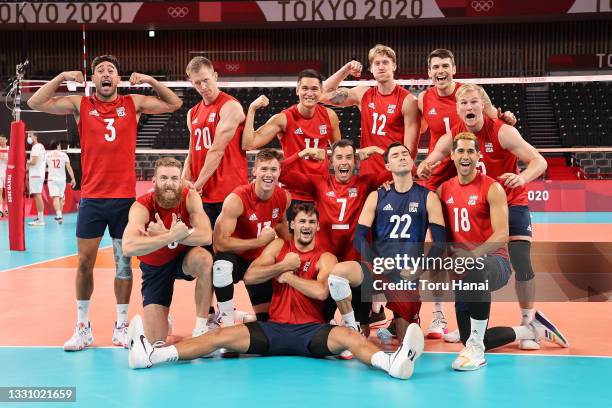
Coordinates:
(339, 96)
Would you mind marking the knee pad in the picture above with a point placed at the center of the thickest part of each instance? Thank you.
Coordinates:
(339, 287)
(222, 273)
(123, 264)
(520, 257)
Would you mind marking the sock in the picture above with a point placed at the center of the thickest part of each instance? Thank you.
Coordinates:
(201, 323)
(527, 316)
(438, 307)
(83, 311)
(226, 311)
(58, 214)
(122, 313)
(478, 329)
(524, 333)
(41, 215)
(164, 355)
(381, 360)
(348, 319)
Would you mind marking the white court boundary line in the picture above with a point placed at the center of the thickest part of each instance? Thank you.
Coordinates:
(47, 260)
(425, 352)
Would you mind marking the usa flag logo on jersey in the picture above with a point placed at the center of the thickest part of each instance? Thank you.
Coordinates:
(121, 111)
(413, 207)
(391, 108)
(275, 213)
(323, 129)
(352, 192)
(472, 200)
(489, 147)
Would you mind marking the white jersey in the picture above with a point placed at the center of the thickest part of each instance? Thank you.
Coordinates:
(56, 165)
(38, 170)
(3, 159)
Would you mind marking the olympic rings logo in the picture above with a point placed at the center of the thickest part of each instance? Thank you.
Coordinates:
(178, 12)
(482, 5)
(232, 67)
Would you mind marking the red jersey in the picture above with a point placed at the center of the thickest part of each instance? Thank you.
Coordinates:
(302, 133)
(289, 305)
(339, 205)
(257, 214)
(232, 169)
(467, 213)
(440, 113)
(169, 252)
(382, 123)
(495, 159)
(108, 147)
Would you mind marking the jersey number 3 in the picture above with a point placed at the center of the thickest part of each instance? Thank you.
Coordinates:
(109, 126)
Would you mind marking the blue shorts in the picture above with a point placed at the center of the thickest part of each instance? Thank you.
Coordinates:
(97, 213)
(284, 339)
(212, 210)
(519, 220)
(158, 281)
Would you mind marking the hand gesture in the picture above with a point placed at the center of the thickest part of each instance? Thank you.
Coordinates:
(139, 79)
(267, 235)
(512, 180)
(507, 117)
(314, 153)
(261, 102)
(353, 68)
(73, 76)
(426, 168)
(156, 227)
(292, 261)
(282, 278)
(179, 229)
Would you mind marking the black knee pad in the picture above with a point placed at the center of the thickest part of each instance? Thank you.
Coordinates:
(260, 293)
(520, 257)
(318, 344)
(258, 340)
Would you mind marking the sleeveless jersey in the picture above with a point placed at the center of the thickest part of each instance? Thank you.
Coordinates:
(302, 133)
(440, 113)
(38, 170)
(467, 212)
(257, 214)
(289, 305)
(382, 123)
(56, 163)
(495, 159)
(169, 252)
(401, 222)
(108, 147)
(232, 170)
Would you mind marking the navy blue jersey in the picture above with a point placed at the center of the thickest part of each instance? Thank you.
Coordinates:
(401, 222)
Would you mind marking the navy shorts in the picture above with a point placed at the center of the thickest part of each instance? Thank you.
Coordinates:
(158, 281)
(519, 220)
(497, 271)
(212, 210)
(95, 214)
(283, 339)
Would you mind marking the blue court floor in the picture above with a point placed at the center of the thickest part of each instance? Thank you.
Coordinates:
(102, 379)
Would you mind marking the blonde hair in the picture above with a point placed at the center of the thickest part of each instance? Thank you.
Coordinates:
(465, 88)
(167, 162)
(197, 63)
(383, 50)
(466, 136)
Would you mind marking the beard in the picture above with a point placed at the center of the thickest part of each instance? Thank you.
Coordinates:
(165, 200)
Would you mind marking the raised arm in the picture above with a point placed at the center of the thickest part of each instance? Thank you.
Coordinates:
(137, 241)
(511, 139)
(166, 101)
(253, 139)
(314, 289)
(296, 178)
(265, 266)
(332, 95)
(202, 232)
(44, 101)
(412, 124)
(230, 117)
(226, 225)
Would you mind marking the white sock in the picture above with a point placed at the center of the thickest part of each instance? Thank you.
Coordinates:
(527, 316)
(478, 329)
(122, 313)
(376, 306)
(41, 215)
(58, 214)
(438, 307)
(83, 311)
(381, 360)
(201, 323)
(349, 319)
(164, 355)
(226, 311)
(524, 333)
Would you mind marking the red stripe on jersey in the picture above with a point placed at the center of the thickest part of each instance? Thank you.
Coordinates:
(467, 212)
(495, 159)
(289, 305)
(257, 214)
(440, 113)
(169, 252)
(302, 133)
(232, 170)
(108, 147)
(382, 123)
